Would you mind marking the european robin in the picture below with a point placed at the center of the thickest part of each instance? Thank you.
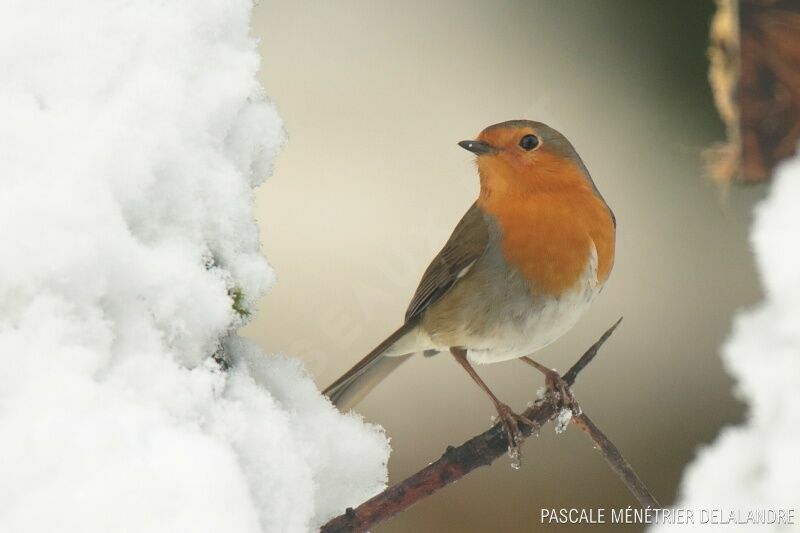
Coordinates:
(519, 270)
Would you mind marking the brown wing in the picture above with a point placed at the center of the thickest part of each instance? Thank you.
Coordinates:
(465, 246)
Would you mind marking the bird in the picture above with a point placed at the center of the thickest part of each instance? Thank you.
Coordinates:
(521, 267)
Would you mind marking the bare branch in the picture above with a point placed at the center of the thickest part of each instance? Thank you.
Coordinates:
(586, 358)
(618, 464)
(482, 450)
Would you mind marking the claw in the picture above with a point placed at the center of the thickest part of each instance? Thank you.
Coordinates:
(559, 390)
(511, 423)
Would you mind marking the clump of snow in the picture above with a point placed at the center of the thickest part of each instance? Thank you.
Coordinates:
(753, 466)
(563, 419)
(514, 457)
(131, 135)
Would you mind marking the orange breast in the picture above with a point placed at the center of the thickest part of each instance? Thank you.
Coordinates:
(548, 235)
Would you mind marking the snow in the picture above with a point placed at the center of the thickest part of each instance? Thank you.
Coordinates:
(753, 466)
(563, 419)
(131, 136)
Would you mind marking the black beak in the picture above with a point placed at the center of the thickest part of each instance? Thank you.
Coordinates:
(477, 147)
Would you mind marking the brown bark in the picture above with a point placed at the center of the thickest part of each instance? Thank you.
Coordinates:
(482, 450)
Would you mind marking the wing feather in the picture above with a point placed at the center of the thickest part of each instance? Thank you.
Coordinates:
(465, 246)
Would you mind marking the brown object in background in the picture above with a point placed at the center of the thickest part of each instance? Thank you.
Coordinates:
(755, 75)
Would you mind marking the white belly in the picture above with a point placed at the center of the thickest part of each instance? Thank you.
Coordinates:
(528, 329)
(543, 326)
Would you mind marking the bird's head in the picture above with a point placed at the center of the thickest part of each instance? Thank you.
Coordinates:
(519, 157)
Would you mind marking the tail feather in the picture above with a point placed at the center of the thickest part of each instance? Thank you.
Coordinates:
(357, 382)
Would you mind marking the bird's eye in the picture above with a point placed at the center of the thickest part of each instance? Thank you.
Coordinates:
(529, 142)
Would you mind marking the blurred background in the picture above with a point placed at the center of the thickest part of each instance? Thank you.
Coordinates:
(375, 95)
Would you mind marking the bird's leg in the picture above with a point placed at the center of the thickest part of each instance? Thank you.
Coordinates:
(508, 417)
(553, 381)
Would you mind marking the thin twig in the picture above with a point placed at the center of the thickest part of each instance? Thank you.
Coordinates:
(587, 357)
(482, 450)
(618, 463)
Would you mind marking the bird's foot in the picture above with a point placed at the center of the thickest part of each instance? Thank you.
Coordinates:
(511, 423)
(559, 392)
